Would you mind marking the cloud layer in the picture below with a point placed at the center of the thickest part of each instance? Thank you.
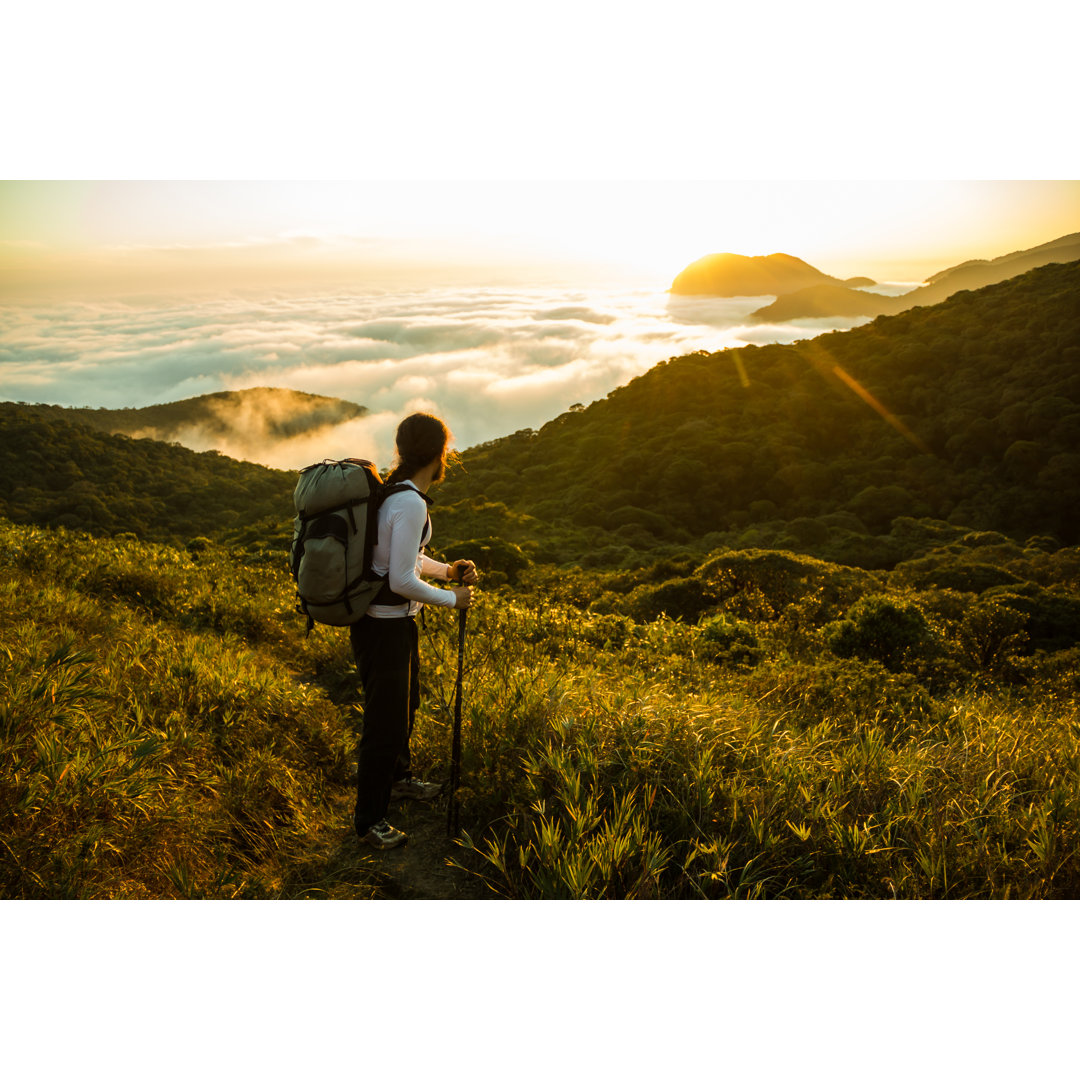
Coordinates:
(488, 360)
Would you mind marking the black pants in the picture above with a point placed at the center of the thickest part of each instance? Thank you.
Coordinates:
(388, 658)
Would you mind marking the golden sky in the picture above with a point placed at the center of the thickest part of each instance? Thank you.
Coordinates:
(210, 234)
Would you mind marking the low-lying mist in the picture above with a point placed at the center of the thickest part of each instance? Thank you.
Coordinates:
(490, 361)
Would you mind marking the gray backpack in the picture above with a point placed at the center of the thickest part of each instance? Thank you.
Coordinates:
(334, 535)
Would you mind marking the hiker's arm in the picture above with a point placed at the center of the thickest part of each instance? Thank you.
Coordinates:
(432, 568)
(407, 520)
(461, 572)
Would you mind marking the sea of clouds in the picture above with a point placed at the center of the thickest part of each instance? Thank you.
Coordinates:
(489, 360)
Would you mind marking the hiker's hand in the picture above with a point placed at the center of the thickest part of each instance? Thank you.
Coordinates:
(464, 571)
(462, 595)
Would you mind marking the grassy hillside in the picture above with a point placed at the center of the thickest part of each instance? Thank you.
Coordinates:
(167, 730)
(967, 413)
(704, 707)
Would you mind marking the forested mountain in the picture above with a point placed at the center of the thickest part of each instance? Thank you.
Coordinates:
(55, 469)
(241, 418)
(816, 301)
(967, 412)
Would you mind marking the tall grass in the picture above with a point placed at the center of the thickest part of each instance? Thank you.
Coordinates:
(166, 730)
(647, 771)
(144, 755)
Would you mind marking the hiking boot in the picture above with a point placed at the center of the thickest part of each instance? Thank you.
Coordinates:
(383, 835)
(411, 788)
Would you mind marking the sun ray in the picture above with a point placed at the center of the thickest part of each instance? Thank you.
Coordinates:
(890, 418)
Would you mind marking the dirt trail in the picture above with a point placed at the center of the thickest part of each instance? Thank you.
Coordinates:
(343, 868)
(417, 870)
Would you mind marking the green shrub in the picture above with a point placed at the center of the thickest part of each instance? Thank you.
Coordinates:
(991, 632)
(810, 532)
(971, 577)
(882, 629)
(984, 539)
(655, 524)
(848, 694)
(1052, 617)
(1045, 544)
(491, 556)
(683, 598)
(728, 641)
(761, 584)
(1052, 673)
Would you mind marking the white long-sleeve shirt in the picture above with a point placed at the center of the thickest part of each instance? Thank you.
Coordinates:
(404, 531)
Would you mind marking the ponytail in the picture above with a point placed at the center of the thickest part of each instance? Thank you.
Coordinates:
(421, 439)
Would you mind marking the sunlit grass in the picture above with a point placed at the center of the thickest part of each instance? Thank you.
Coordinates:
(142, 756)
(668, 778)
(167, 730)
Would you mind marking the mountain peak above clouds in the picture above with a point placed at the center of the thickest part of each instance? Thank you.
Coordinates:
(728, 274)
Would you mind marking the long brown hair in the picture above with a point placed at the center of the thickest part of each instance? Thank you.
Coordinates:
(421, 438)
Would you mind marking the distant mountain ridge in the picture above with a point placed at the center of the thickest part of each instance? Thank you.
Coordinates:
(813, 302)
(1063, 246)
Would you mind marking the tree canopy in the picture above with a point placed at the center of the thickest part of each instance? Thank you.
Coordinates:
(967, 412)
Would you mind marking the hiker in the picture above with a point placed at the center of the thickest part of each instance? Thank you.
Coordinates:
(385, 640)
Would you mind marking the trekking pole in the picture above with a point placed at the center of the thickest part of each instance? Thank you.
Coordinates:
(455, 746)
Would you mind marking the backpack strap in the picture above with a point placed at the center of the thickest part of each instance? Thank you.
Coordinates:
(386, 595)
(392, 489)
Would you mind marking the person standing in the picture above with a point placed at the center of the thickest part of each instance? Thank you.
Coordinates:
(385, 641)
